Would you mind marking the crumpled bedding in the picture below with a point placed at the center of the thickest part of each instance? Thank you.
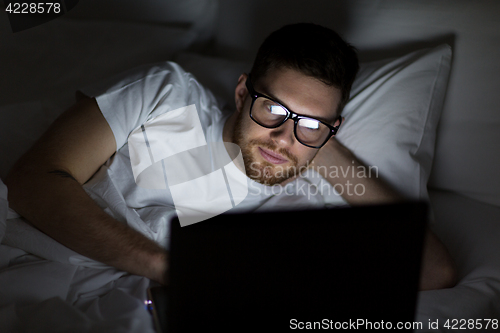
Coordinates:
(46, 287)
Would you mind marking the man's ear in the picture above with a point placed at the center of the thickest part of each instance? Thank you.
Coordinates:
(241, 92)
(337, 122)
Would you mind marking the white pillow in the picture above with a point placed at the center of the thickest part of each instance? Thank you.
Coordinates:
(391, 119)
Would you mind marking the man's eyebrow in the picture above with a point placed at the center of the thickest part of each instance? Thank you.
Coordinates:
(274, 98)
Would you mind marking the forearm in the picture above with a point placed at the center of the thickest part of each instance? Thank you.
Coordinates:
(438, 269)
(60, 207)
(358, 183)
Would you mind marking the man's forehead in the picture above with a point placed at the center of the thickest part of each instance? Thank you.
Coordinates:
(301, 93)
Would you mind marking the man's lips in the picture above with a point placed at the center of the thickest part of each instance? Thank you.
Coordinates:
(271, 156)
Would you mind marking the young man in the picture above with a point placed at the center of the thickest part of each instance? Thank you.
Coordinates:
(288, 110)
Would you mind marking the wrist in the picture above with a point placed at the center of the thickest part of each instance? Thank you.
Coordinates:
(159, 266)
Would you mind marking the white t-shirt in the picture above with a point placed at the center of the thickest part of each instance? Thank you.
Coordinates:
(157, 112)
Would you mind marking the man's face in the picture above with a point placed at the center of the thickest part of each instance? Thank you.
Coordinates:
(273, 155)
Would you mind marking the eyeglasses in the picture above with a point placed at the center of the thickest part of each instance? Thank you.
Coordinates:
(268, 113)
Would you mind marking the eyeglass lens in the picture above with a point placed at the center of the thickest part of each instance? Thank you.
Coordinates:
(307, 131)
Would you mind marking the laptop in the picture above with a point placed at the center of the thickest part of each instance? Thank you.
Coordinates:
(352, 267)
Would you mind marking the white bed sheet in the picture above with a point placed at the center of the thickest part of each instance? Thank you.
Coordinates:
(470, 230)
(46, 287)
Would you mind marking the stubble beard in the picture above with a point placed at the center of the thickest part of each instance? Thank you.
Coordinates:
(263, 172)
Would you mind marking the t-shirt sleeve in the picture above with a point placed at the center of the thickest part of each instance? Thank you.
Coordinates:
(131, 98)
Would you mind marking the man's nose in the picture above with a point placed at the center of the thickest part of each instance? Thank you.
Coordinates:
(283, 136)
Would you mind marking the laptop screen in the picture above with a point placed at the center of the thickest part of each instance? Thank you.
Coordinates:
(285, 269)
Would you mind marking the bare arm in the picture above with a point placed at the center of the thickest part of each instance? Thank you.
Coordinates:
(45, 187)
(438, 269)
(372, 189)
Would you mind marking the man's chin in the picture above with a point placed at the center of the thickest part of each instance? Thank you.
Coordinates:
(265, 176)
(268, 182)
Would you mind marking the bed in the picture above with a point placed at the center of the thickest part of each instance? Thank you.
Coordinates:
(429, 68)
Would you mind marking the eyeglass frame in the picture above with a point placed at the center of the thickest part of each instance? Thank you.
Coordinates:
(290, 115)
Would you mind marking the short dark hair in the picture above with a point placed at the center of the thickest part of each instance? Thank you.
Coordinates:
(313, 50)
